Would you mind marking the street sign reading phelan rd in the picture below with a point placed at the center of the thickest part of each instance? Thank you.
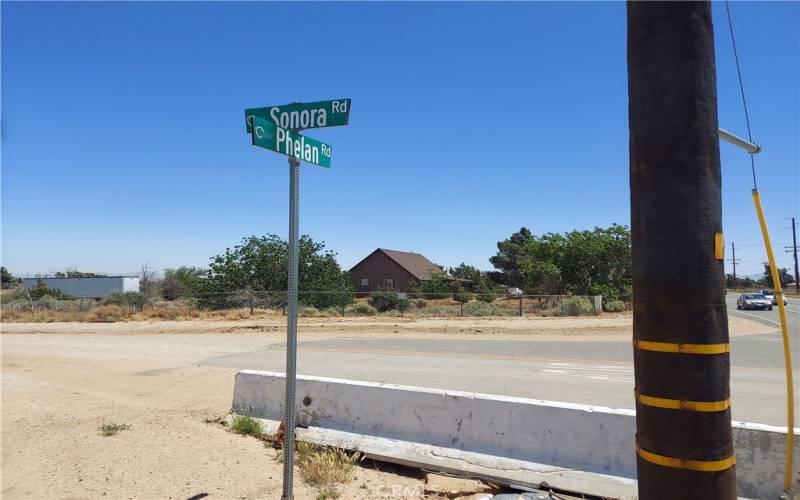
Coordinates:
(335, 113)
(269, 136)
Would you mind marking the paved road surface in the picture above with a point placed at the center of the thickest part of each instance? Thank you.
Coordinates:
(595, 372)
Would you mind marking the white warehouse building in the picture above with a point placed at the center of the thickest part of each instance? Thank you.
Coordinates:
(95, 287)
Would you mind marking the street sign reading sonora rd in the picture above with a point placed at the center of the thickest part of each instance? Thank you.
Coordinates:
(301, 115)
(269, 136)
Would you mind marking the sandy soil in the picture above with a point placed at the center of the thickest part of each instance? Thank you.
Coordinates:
(60, 381)
(57, 390)
(517, 328)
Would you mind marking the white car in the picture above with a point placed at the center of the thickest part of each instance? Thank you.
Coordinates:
(515, 292)
(770, 295)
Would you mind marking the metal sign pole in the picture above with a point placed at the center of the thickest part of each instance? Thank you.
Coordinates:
(291, 329)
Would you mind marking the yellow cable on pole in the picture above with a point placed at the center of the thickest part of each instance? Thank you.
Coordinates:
(787, 479)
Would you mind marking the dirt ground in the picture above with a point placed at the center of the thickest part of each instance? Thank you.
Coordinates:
(60, 381)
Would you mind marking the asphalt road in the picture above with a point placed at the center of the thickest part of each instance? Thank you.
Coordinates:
(593, 372)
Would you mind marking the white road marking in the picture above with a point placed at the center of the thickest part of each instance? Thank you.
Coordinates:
(622, 373)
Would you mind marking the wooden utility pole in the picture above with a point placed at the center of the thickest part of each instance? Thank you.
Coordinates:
(680, 328)
(734, 261)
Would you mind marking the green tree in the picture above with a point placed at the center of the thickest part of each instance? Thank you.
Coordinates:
(465, 272)
(596, 262)
(741, 282)
(6, 277)
(783, 273)
(182, 282)
(260, 264)
(74, 273)
(437, 286)
(40, 289)
(509, 254)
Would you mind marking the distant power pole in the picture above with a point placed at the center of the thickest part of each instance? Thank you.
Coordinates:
(794, 250)
(684, 442)
(734, 261)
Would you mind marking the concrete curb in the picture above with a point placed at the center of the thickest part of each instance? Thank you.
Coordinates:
(510, 440)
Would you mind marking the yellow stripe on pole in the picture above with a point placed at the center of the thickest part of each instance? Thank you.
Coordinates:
(679, 463)
(648, 345)
(776, 280)
(719, 246)
(680, 404)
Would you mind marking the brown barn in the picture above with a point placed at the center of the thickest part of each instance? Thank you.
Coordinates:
(391, 269)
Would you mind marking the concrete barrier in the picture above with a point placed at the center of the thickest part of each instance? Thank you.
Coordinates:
(522, 441)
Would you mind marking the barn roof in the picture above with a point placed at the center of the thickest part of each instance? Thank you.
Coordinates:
(415, 263)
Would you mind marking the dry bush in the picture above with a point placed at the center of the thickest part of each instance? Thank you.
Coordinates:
(43, 316)
(108, 314)
(16, 316)
(167, 312)
(326, 467)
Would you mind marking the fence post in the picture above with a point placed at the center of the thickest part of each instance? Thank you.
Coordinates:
(462, 308)
(251, 306)
(520, 306)
(598, 304)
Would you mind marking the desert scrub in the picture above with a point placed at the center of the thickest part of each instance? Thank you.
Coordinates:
(440, 311)
(246, 425)
(361, 309)
(108, 314)
(111, 428)
(614, 306)
(325, 467)
(309, 312)
(487, 309)
(575, 306)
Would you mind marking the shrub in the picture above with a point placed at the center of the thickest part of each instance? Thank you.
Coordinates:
(112, 428)
(436, 286)
(50, 303)
(134, 299)
(108, 314)
(621, 292)
(440, 311)
(246, 425)
(170, 311)
(575, 306)
(614, 306)
(420, 303)
(384, 300)
(308, 311)
(461, 296)
(39, 290)
(403, 304)
(362, 309)
(486, 309)
(331, 312)
(324, 468)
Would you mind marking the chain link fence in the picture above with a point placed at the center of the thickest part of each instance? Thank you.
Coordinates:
(247, 303)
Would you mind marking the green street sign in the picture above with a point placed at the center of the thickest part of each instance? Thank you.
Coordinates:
(269, 136)
(302, 115)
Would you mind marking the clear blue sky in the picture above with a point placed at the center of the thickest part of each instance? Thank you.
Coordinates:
(123, 139)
